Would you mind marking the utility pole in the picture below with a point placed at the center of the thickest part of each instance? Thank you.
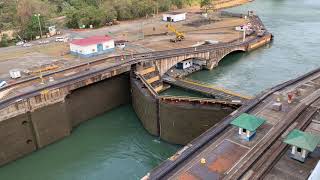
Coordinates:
(244, 33)
(38, 15)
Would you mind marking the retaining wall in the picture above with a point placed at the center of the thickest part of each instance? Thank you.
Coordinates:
(145, 107)
(177, 123)
(25, 133)
(181, 123)
(93, 100)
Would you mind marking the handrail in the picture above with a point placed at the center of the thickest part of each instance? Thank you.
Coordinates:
(130, 59)
(168, 165)
(206, 85)
(144, 81)
(192, 99)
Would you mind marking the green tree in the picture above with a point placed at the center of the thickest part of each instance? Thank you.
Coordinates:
(4, 41)
(205, 4)
(178, 3)
(32, 29)
(164, 5)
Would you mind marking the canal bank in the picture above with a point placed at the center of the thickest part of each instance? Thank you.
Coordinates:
(293, 52)
(21, 135)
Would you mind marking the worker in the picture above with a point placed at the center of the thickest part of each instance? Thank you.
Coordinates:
(290, 97)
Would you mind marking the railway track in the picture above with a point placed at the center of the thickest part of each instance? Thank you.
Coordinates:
(265, 146)
(127, 59)
(124, 60)
(274, 152)
(169, 166)
(143, 57)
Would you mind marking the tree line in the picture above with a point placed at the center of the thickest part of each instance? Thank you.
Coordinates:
(20, 14)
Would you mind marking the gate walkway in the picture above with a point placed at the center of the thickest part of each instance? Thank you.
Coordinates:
(207, 89)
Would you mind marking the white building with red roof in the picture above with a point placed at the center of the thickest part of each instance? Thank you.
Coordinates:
(92, 46)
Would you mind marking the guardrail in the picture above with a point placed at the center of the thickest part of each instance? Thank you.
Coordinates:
(197, 99)
(182, 155)
(210, 86)
(150, 88)
(128, 60)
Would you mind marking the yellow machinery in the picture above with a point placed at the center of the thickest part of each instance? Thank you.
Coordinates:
(179, 35)
(43, 69)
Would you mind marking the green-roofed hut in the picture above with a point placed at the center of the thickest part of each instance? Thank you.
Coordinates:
(302, 143)
(248, 124)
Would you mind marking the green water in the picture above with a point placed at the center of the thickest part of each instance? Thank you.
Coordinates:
(111, 146)
(115, 145)
(295, 25)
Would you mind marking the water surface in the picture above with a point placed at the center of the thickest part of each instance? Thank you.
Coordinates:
(111, 146)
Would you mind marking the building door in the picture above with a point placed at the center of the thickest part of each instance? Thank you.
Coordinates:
(100, 47)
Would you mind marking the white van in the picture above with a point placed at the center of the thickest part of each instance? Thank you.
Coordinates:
(2, 83)
(61, 39)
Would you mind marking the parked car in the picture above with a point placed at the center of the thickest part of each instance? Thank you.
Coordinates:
(27, 45)
(20, 43)
(44, 42)
(2, 83)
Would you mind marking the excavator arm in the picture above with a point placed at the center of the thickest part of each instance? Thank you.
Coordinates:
(179, 35)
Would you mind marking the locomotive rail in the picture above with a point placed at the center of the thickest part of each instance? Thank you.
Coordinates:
(167, 168)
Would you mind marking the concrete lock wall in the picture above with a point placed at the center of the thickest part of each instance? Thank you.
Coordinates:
(28, 132)
(50, 124)
(16, 138)
(181, 123)
(93, 100)
(145, 107)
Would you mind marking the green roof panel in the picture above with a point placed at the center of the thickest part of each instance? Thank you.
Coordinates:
(303, 140)
(248, 121)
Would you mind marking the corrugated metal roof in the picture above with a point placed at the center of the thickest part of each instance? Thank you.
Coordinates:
(248, 121)
(302, 139)
(174, 13)
(91, 40)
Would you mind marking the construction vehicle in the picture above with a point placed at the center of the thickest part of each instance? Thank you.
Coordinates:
(42, 69)
(179, 35)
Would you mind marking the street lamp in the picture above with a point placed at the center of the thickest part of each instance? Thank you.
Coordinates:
(38, 15)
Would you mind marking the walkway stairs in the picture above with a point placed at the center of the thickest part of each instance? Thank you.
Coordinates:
(150, 76)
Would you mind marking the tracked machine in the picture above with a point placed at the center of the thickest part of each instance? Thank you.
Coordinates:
(179, 35)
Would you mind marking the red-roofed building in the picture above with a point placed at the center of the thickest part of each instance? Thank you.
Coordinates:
(92, 46)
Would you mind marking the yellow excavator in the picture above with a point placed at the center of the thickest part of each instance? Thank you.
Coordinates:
(179, 35)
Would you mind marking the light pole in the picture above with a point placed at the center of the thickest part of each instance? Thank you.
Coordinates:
(244, 33)
(38, 15)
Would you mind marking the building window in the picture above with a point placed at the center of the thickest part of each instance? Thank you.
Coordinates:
(107, 46)
(244, 130)
(93, 50)
(299, 150)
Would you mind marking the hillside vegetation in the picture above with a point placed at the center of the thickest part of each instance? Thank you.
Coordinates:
(20, 14)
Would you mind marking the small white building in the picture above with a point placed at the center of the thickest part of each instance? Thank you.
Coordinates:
(52, 30)
(174, 16)
(185, 64)
(92, 46)
(15, 73)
